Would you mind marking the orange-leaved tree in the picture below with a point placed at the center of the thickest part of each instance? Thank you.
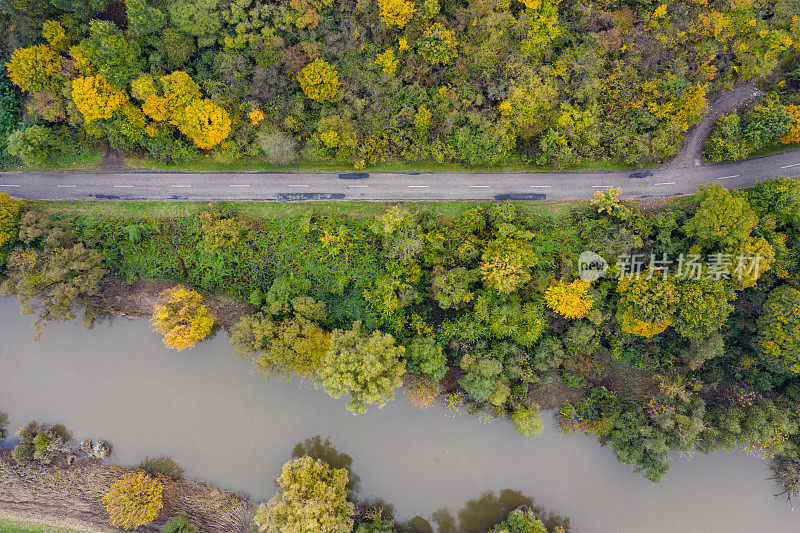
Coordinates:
(181, 317)
(134, 500)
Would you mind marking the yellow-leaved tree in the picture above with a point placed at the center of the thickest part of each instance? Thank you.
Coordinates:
(319, 80)
(572, 300)
(396, 12)
(793, 134)
(33, 67)
(204, 122)
(181, 317)
(313, 497)
(95, 98)
(180, 103)
(134, 500)
(10, 211)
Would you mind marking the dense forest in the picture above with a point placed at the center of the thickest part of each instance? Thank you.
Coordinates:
(690, 341)
(361, 82)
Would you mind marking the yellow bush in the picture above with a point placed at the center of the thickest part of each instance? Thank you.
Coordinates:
(793, 135)
(178, 91)
(319, 80)
(134, 500)
(32, 68)
(204, 122)
(255, 116)
(572, 300)
(388, 62)
(181, 317)
(95, 98)
(396, 12)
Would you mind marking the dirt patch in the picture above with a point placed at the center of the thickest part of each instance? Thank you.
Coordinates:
(138, 299)
(71, 496)
(112, 161)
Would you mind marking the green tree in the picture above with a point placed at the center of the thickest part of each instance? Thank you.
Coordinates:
(294, 344)
(522, 521)
(144, 19)
(778, 198)
(704, 306)
(367, 367)
(723, 220)
(53, 279)
(118, 59)
(313, 497)
(766, 124)
(451, 288)
(426, 356)
(200, 18)
(528, 421)
(438, 44)
(646, 306)
(779, 330)
(33, 145)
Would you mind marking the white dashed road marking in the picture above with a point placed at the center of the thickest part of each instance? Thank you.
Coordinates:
(240, 185)
(602, 186)
(357, 186)
(7, 185)
(297, 185)
(666, 183)
(728, 177)
(790, 166)
(479, 186)
(66, 186)
(419, 186)
(541, 186)
(181, 186)
(123, 186)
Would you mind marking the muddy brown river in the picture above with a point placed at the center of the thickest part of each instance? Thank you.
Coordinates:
(204, 408)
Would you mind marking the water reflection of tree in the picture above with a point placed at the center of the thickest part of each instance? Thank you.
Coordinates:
(479, 515)
(323, 450)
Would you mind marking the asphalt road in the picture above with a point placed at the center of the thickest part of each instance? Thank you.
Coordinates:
(382, 186)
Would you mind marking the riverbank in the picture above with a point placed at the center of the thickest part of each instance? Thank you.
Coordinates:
(70, 496)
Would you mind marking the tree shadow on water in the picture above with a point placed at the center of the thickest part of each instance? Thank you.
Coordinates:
(481, 514)
(324, 451)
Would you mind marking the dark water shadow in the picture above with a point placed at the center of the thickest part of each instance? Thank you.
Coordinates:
(324, 451)
(481, 514)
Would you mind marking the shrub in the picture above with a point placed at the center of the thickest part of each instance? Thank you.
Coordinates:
(134, 500)
(528, 421)
(425, 355)
(313, 497)
(179, 524)
(163, 465)
(396, 12)
(181, 317)
(56, 36)
(438, 44)
(33, 67)
(278, 147)
(319, 81)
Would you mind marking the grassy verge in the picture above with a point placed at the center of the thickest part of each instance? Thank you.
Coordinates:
(274, 209)
(16, 526)
(514, 165)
